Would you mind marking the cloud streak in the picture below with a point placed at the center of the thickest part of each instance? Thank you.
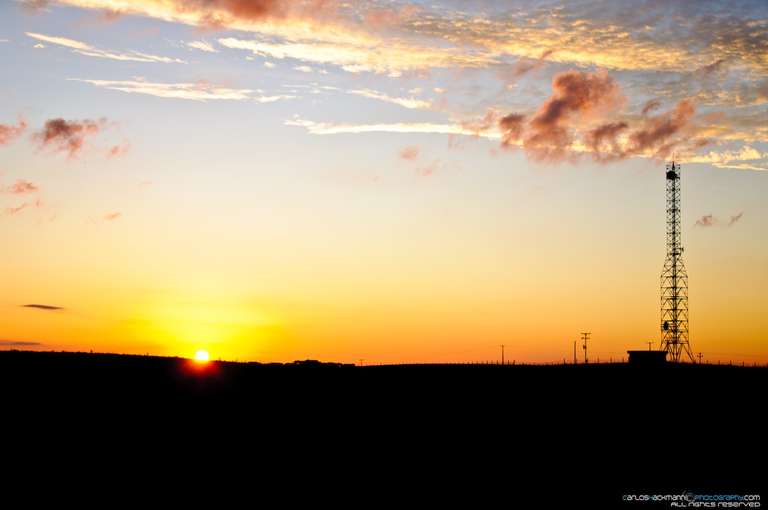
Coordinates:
(47, 308)
(326, 128)
(202, 46)
(91, 51)
(19, 343)
(406, 102)
(194, 91)
(735, 218)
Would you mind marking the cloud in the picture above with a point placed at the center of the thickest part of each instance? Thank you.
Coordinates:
(511, 127)
(90, 51)
(426, 36)
(603, 141)
(582, 115)
(410, 153)
(315, 31)
(406, 102)
(714, 68)
(481, 125)
(21, 187)
(428, 170)
(112, 216)
(202, 46)
(707, 220)
(523, 66)
(735, 218)
(325, 128)
(35, 6)
(49, 308)
(12, 211)
(649, 106)
(9, 133)
(710, 220)
(19, 343)
(724, 158)
(68, 136)
(269, 65)
(117, 151)
(362, 53)
(197, 91)
(655, 135)
(576, 96)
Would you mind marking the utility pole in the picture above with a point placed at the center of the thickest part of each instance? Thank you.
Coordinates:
(574, 352)
(502, 354)
(650, 344)
(699, 356)
(585, 337)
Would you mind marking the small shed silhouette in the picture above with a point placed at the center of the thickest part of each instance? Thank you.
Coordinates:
(647, 358)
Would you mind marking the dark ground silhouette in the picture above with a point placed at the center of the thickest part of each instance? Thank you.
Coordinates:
(491, 430)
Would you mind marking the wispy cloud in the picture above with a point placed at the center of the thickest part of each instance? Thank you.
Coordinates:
(746, 155)
(19, 343)
(363, 54)
(326, 128)
(202, 46)
(47, 308)
(194, 91)
(710, 220)
(91, 51)
(405, 102)
(112, 216)
(350, 34)
(12, 211)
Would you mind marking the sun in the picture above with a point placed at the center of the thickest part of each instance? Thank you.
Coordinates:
(202, 356)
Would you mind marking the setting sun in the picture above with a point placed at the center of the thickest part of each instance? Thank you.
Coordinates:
(202, 356)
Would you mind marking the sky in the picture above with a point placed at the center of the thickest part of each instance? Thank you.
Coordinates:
(379, 181)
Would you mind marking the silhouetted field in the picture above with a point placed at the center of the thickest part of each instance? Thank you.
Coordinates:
(614, 426)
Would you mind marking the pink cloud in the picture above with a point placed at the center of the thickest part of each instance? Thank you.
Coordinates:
(410, 153)
(576, 97)
(117, 151)
(22, 187)
(68, 136)
(9, 133)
